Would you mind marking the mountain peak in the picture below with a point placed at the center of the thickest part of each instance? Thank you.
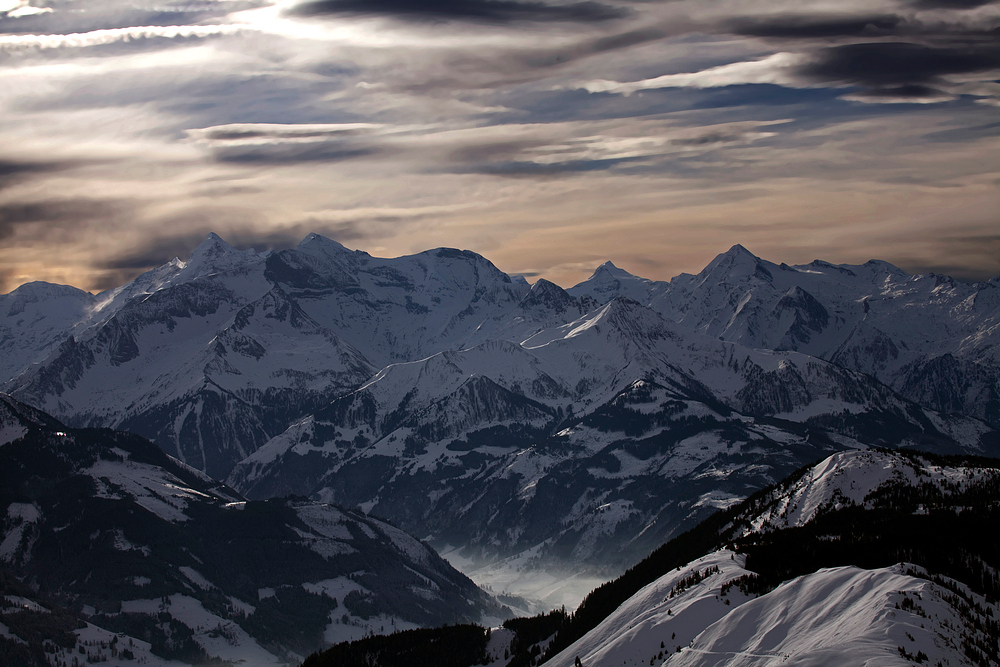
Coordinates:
(608, 268)
(315, 239)
(542, 286)
(39, 290)
(737, 263)
(608, 281)
(213, 255)
(739, 249)
(213, 246)
(882, 265)
(547, 295)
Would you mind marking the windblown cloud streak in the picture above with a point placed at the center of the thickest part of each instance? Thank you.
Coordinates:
(103, 37)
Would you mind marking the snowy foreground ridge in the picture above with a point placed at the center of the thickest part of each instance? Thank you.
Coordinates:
(834, 617)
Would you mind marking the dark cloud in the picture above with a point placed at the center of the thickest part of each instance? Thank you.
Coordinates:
(543, 58)
(262, 241)
(489, 11)
(159, 250)
(811, 27)
(110, 279)
(228, 191)
(481, 153)
(522, 169)
(627, 39)
(15, 171)
(58, 215)
(293, 153)
(361, 229)
(872, 26)
(211, 99)
(950, 4)
(154, 253)
(225, 134)
(966, 133)
(710, 138)
(914, 91)
(899, 65)
(970, 257)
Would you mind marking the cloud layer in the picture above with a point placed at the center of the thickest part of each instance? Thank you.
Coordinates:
(548, 135)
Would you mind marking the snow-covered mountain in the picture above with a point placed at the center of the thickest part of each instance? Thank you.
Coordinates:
(139, 544)
(510, 419)
(505, 421)
(591, 442)
(929, 337)
(34, 319)
(211, 357)
(395, 310)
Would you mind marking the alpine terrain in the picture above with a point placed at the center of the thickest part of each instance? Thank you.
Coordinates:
(543, 439)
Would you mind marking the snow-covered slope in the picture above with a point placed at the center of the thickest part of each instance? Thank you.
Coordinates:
(665, 615)
(398, 309)
(139, 543)
(824, 586)
(933, 339)
(850, 479)
(734, 606)
(835, 616)
(206, 357)
(840, 616)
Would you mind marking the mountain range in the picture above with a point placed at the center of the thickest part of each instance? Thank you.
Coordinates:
(508, 421)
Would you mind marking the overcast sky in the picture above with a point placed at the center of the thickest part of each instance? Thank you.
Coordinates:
(547, 135)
